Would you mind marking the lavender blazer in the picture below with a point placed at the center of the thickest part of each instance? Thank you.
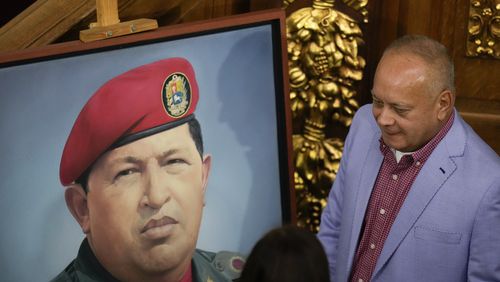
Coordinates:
(448, 228)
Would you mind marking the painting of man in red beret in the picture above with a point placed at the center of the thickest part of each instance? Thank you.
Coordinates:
(136, 175)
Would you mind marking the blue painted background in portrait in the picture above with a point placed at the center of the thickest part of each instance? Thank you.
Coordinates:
(40, 101)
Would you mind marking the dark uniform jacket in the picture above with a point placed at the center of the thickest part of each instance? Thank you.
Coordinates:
(206, 267)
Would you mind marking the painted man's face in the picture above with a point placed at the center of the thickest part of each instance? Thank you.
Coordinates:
(145, 203)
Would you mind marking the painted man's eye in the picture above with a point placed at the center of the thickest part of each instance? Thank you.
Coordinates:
(125, 172)
(176, 161)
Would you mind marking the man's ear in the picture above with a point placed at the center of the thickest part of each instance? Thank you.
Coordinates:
(446, 100)
(76, 200)
(206, 164)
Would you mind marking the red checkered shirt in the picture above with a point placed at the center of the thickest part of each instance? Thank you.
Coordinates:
(393, 182)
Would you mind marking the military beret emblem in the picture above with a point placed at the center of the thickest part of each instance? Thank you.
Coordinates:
(176, 95)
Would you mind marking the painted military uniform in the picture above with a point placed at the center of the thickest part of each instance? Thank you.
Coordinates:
(206, 267)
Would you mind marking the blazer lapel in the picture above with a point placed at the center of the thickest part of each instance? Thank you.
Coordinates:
(437, 169)
(369, 174)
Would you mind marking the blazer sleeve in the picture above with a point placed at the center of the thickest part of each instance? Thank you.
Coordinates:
(484, 256)
(330, 229)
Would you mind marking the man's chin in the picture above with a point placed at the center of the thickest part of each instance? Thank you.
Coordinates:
(394, 141)
(162, 258)
(389, 140)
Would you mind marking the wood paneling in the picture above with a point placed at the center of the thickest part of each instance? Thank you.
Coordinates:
(483, 116)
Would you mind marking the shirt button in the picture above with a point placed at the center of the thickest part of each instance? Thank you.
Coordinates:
(382, 211)
(372, 246)
(360, 280)
(395, 176)
(417, 163)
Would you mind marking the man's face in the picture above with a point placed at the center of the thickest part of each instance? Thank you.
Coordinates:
(145, 203)
(407, 111)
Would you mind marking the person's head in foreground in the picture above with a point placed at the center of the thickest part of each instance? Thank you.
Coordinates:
(135, 172)
(413, 92)
(289, 254)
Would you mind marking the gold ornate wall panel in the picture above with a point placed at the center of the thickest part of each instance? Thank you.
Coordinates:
(483, 30)
(324, 68)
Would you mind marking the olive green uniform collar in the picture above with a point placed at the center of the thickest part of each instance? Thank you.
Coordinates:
(86, 268)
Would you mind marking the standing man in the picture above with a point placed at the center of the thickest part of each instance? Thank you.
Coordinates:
(136, 175)
(417, 195)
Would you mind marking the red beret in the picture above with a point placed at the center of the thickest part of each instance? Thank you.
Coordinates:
(138, 103)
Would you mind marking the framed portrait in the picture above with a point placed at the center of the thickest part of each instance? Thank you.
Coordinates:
(240, 65)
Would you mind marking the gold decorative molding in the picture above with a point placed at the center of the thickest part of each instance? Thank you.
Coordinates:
(359, 5)
(324, 67)
(483, 30)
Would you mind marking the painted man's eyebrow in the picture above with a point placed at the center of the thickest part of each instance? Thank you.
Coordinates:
(127, 159)
(167, 153)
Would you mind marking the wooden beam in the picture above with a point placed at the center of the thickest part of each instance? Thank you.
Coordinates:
(108, 23)
(115, 30)
(43, 22)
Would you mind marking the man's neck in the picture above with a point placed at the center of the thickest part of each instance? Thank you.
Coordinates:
(175, 275)
(127, 272)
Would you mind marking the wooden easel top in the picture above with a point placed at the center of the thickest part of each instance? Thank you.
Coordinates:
(108, 23)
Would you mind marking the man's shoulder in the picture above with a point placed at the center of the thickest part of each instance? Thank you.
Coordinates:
(220, 266)
(84, 268)
(475, 149)
(364, 120)
(362, 131)
(68, 274)
(74, 272)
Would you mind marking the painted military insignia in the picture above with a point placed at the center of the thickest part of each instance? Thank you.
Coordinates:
(237, 264)
(176, 95)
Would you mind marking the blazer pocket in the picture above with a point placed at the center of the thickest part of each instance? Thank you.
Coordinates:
(427, 233)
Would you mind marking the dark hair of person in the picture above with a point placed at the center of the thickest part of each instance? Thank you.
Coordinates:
(194, 130)
(288, 253)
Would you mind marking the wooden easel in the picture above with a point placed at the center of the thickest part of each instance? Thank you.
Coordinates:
(108, 23)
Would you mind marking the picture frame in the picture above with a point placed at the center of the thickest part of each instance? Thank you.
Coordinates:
(241, 68)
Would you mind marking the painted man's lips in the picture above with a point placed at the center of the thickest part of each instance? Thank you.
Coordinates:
(159, 228)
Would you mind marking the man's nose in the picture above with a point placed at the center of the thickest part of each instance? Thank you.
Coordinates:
(384, 117)
(157, 191)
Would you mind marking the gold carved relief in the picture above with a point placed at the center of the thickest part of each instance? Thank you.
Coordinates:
(324, 66)
(483, 30)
